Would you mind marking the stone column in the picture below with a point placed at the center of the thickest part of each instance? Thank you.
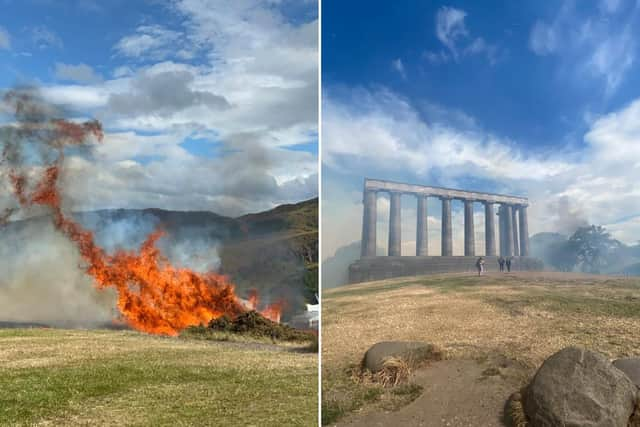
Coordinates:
(501, 228)
(395, 225)
(422, 246)
(524, 232)
(369, 223)
(447, 242)
(514, 221)
(469, 229)
(508, 229)
(489, 230)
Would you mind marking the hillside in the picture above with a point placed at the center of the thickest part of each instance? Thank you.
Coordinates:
(495, 331)
(275, 251)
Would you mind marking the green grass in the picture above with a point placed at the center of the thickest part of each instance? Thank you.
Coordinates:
(147, 381)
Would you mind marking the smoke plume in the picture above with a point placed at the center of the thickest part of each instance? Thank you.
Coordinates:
(153, 295)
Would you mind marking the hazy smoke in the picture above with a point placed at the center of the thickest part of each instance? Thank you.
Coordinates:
(41, 281)
(568, 217)
(197, 253)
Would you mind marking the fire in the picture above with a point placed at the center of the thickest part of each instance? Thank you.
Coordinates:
(271, 312)
(154, 296)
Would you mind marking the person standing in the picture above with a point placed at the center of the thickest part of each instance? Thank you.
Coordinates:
(501, 263)
(480, 266)
(509, 264)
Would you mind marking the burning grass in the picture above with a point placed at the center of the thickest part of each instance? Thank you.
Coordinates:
(523, 317)
(53, 377)
(250, 324)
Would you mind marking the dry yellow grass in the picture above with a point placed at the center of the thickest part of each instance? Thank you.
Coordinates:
(523, 316)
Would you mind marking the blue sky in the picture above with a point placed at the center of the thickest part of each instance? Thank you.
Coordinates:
(207, 104)
(531, 98)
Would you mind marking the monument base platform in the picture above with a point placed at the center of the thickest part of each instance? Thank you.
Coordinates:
(386, 267)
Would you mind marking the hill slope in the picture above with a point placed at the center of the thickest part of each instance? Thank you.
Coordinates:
(495, 331)
(275, 252)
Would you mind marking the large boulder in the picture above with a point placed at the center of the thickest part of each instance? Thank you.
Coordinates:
(412, 352)
(631, 367)
(579, 388)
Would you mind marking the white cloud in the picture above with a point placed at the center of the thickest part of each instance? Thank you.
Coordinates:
(80, 97)
(439, 57)
(5, 40)
(399, 67)
(386, 123)
(44, 38)
(453, 34)
(602, 46)
(543, 38)
(379, 134)
(122, 71)
(81, 73)
(613, 57)
(480, 47)
(450, 27)
(149, 41)
(208, 136)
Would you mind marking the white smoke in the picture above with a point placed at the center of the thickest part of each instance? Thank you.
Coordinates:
(41, 281)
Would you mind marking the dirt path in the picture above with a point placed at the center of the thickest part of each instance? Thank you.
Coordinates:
(457, 393)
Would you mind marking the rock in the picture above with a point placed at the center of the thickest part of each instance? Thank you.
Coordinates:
(413, 352)
(579, 388)
(631, 367)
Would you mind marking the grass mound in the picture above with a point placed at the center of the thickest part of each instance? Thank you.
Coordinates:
(252, 324)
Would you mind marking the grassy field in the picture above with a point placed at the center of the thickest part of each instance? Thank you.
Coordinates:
(524, 317)
(52, 377)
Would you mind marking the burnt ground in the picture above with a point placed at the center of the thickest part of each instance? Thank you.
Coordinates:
(495, 331)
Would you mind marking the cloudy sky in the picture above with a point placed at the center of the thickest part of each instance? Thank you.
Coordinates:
(539, 99)
(207, 104)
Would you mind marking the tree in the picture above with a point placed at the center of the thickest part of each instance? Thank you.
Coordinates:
(562, 256)
(592, 246)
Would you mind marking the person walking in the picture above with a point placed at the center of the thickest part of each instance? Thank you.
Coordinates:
(480, 266)
(509, 264)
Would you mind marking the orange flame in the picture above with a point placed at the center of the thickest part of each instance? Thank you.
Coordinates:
(271, 311)
(153, 295)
